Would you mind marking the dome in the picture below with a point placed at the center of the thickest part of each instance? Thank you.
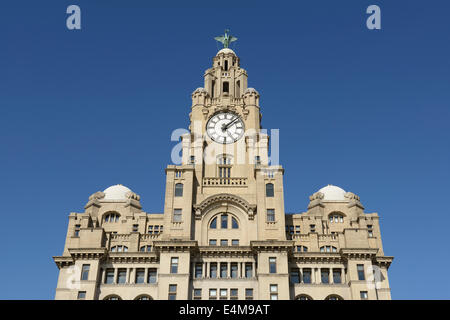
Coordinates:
(251, 90)
(225, 51)
(117, 192)
(333, 193)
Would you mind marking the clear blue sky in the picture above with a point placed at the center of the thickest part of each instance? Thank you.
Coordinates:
(365, 110)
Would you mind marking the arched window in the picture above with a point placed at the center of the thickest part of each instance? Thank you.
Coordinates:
(269, 190)
(111, 217)
(303, 297)
(179, 190)
(336, 217)
(119, 249)
(213, 224)
(225, 87)
(328, 249)
(224, 221)
(334, 297)
(112, 297)
(143, 297)
(234, 223)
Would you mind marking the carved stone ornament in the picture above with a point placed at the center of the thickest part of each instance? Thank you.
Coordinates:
(220, 200)
(96, 196)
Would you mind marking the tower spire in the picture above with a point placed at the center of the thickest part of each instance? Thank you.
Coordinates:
(226, 39)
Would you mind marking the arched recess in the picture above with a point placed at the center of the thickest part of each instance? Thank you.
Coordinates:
(112, 297)
(143, 297)
(334, 297)
(303, 297)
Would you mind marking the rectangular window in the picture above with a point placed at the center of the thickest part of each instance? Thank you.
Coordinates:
(85, 272)
(233, 294)
(273, 292)
(312, 227)
(213, 270)
(152, 274)
(172, 292)
(297, 229)
(295, 275)
(192, 159)
(325, 275)
(224, 221)
(234, 270)
(223, 270)
(337, 276)
(81, 295)
(272, 265)
(198, 270)
(77, 230)
(248, 294)
(270, 215)
(109, 277)
(140, 276)
(235, 242)
(156, 229)
(212, 294)
(176, 215)
(223, 294)
(174, 265)
(213, 242)
(197, 294)
(122, 276)
(224, 242)
(361, 275)
(248, 270)
(306, 275)
(370, 230)
(364, 295)
(135, 227)
(150, 229)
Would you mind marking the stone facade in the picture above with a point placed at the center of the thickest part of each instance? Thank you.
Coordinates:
(224, 233)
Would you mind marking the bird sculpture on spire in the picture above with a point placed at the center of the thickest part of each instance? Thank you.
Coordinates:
(226, 39)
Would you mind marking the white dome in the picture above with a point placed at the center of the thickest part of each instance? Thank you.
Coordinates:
(117, 192)
(333, 193)
(225, 51)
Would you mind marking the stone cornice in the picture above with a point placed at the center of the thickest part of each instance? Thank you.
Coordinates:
(63, 261)
(174, 245)
(359, 253)
(272, 245)
(219, 251)
(133, 257)
(384, 261)
(87, 253)
(317, 257)
(218, 199)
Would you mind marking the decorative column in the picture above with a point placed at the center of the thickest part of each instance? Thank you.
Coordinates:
(146, 275)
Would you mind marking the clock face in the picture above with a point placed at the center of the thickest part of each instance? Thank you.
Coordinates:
(225, 127)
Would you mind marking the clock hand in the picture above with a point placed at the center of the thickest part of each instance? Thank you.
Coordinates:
(229, 123)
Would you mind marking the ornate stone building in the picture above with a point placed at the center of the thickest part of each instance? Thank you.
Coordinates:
(224, 233)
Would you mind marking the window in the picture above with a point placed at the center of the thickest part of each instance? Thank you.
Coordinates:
(223, 270)
(177, 215)
(234, 270)
(364, 295)
(213, 224)
(370, 230)
(119, 249)
(297, 229)
(112, 217)
(273, 292)
(234, 223)
(77, 230)
(143, 297)
(257, 160)
(174, 265)
(197, 294)
(360, 269)
(224, 242)
(224, 221)
(212, 242)
(198, 270)
(135, 228)
(248, 294)
(328, 249)
(269, 190)
(172, 292)
(223, 294)
(337, 276)
(109, 277)
(140, 276)
(248, 270)
(235, 242)
(112, 297)
(336, 218)
(226, 65)
(212, 294)
(81, 295)
(333, 297)
(147, 248)
(325, 275)
(270, 215)
(312, 227)
(233, 294)
(226, 87)
(85, 272)
(150, 229)
(295, 275)
(301, 248)
(152, 274)
(213, 270)
(192, 159)
(178, 190)
(122, 276)
(272, 265)
(306, 275)
(303, 297)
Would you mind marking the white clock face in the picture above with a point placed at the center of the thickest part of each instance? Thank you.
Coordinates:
(225, 127)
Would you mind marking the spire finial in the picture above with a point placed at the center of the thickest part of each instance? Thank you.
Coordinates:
(226, 39)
